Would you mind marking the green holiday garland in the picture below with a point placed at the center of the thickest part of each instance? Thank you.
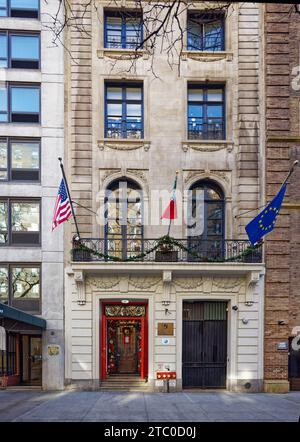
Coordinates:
(165, 244)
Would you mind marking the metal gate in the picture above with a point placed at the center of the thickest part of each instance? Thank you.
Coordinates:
(204, 344)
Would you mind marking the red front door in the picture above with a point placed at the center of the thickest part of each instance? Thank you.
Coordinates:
(124, 341)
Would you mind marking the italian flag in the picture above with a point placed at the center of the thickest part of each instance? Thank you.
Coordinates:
(171, 210)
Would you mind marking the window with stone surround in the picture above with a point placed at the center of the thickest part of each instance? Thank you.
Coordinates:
(206, 112)
(122, 30)
(124, 110)
(205, 31)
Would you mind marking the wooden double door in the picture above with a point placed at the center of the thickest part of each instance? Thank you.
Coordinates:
(204, 344)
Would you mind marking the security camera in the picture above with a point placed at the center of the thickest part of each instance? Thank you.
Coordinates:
(235, 307)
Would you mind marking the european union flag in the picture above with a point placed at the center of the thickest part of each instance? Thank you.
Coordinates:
(264, 222)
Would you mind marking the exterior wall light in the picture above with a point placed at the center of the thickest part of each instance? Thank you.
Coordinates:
(125, 301)
(245, 320)
(165, 303)
(249, 303)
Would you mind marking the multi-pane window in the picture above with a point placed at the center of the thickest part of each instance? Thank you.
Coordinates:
(19, 50)
(20, 103)
(124, 111)
(205, 32)
(19, 222)
(19, 8)
(19, 160)
(20, 286)
(124, 219)
(206, 112)
(123, 30)
(206, 228)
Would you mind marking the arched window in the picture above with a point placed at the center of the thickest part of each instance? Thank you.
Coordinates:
(206, 224)
(124, 219)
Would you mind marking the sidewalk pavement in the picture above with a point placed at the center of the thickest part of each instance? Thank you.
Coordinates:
(88, 406)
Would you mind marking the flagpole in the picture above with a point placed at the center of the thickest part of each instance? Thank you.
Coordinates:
(174, 189)
(295, 163)
(71, 204)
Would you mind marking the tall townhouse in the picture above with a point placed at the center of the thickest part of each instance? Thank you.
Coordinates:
(139, 310)
(31, 139)
(282, 290)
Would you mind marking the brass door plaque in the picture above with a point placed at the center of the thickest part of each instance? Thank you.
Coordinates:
(165, 328)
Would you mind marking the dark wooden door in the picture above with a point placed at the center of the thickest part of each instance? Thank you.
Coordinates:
(204, 344)
(294, 363)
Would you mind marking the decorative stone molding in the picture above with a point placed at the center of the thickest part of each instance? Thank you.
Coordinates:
(106, 173)
(207, 285)
(206, 56)
(252, 280)
(188, 283)
(207, 145)
(144, 282)
(194, 175)
(122, 54)
(123, 284)
(227, 284)
(80, 287)
(104, 283)
(123, 144)
(167, 280)
(140, 173)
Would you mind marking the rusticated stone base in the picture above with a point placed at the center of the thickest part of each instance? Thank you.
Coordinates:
(246, 385)
(276, 386)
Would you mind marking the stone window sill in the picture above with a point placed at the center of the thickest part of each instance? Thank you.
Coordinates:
(123, 144)
(207, 145)
(207, 55)
(122, 54)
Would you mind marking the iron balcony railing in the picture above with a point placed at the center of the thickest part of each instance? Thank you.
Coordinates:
(151, 250)
(205, 129)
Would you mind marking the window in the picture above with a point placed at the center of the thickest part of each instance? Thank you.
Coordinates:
(123, 30)
(20, 103)
(19, 160)
(206, 112)
(19, 8)
(124, 223)
(207, 222)
(19, 222)
(20, 286)
(8, 359)
(205, 32)
(19, 50)
(124, 111)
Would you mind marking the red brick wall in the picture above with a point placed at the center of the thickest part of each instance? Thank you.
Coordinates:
(282, 291)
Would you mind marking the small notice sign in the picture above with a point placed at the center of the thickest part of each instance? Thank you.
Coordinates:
(165, 328)
(282, 346)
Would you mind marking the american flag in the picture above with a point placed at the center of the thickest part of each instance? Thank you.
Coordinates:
(62, 209)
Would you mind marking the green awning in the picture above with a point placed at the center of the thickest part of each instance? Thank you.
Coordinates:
(14, 314)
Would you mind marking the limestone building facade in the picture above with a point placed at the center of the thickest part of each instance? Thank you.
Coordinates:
(136, 308)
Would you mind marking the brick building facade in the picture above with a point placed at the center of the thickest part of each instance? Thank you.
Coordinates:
(282, 287)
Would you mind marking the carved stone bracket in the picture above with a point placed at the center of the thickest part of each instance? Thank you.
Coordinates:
(252, 280)
(79, 281)
(207, 146)
(122, 144)
(167, 280)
